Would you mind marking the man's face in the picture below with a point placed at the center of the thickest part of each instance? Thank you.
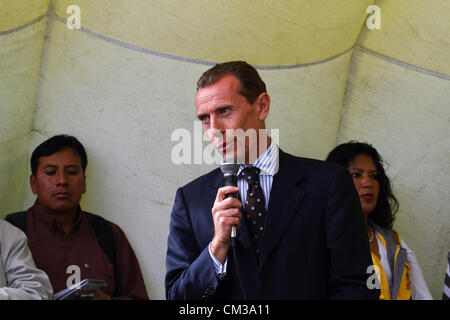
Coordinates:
(60, 181)
(220, 108)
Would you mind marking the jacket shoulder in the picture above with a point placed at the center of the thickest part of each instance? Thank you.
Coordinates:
(204, 181)
(309, 165)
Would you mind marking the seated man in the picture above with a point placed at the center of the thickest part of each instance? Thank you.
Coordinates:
(19, 277)
(66, 242)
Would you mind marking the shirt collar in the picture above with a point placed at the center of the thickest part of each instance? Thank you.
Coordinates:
(267, 162)
(47, 220)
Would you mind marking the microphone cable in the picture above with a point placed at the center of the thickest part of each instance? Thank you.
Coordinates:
(233, 248)
(230, 170)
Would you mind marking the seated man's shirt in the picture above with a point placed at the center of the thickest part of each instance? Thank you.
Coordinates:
(70, 258)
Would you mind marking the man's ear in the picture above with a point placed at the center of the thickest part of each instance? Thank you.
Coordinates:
(263, 103)
(33, 184)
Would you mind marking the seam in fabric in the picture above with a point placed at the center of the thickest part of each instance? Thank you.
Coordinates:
(26, 25)
(403, 64)
(185, 59)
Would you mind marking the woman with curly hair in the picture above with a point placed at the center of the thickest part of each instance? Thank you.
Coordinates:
(398, 271)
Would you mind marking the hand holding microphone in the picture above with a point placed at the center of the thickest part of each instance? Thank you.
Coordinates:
(227, 217)
(230, 170)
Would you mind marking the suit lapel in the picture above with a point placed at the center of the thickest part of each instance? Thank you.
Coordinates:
(285, 198)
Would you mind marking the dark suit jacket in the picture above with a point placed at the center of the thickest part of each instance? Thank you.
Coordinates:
(315, 245)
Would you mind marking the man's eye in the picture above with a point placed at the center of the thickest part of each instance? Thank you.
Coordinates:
(204, 119)
(73, 173)
(50, 173)
(224, 110)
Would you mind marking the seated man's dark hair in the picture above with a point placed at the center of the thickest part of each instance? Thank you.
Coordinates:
(54, 145)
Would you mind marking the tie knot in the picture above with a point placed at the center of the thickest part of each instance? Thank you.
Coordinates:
(251, 174)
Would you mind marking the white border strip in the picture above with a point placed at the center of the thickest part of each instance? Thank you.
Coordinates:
(404, 64)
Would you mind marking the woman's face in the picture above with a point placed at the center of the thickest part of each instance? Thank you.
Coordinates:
(365, 178)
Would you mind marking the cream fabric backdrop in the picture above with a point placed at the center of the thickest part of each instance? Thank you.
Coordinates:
(125, 81)
(22, 30)
(398, 99)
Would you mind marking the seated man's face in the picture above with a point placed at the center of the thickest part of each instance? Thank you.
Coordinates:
(60, 181)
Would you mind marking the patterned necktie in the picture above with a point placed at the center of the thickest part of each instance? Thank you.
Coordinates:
(254, 206)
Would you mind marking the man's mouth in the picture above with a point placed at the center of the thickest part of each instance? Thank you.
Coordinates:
(61, 195)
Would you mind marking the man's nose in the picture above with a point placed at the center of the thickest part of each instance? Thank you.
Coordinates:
(61, 178)
(214, 123)
(215, 129)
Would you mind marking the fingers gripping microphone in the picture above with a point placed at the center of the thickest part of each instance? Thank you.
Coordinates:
(230, 171)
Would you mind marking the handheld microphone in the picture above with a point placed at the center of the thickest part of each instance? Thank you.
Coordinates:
(230, 170)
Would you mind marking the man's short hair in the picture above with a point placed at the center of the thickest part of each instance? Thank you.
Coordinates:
(251, 84)
(54, 145)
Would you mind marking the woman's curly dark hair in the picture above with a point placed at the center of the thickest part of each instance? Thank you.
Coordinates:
(387, 205)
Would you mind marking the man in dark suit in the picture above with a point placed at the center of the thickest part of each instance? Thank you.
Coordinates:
(300, 225)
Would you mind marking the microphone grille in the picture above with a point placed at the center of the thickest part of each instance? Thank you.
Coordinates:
(229, 167)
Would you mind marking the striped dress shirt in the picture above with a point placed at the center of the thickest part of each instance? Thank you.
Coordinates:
(268, 163)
